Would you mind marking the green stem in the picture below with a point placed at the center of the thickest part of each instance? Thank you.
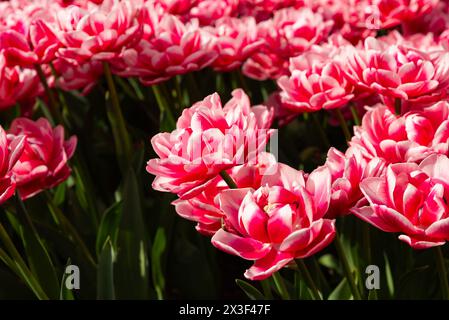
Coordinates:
(367, 242)
(21, 268)
(322, 279)
(70, 229)
(266, 288)
(355, 115)
(228, 179)
(122, 139)
(196, 93)
(51, 97)
(163, 104)
(240, 81)
(346, 267)
(280, 286)
(179, 96)
(442, 272)
(308, 279)
(123, 83)
(343, 124)
(323, 136)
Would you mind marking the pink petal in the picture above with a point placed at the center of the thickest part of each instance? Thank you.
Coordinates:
(245, 248)
(266, 266)
(419, 244)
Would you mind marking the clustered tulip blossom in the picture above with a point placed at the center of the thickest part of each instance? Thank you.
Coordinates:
(277, 222)
(34, 157)
(380, 64)
(208, 138)
(323, 55)
(43, 162)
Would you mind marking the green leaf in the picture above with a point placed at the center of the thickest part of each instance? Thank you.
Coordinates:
(329, 261)
(37, 254)
(105, 273)
(411, 283)
(157, 251)
(132, 278)
(389, 276)
(280, 286)
(40, 263)
(341, 292)
(59, 195)
(80, 189)
(109, 227)
(372, 294)
(65, 293)
(250, 290)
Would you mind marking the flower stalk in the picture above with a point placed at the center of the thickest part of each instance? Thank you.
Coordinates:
(122, 139)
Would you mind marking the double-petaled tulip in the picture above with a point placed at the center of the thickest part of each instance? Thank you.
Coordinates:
(347, 171)
(206, 11)
(177, 7)
(208, 138)
(407, 138)
(316, 82)
(26, 37)
(204, 208)
(263, 9)
(278, 222)
(81, 77)
(173, 48)
(436, 21)
(289, 33)
(17, 85)
(410, 199)
(10, 151)
(43, 162)
(386, 14)
(209, 11)
(396, 72)
(100, 33)
(234, 40)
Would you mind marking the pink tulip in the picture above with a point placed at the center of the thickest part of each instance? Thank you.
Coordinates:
(99, 34)
(43, 163)
(373, 15)
(208, 11)
(234, 40)
(204, 208)
(316, 82)
(390, 13)
(423, 42)
(11, 150)
(407, 138)
(208, 138)
(396, 71)
(79, 3)
(16, 49)
(280, 221)
(26, 34)
(44, 41)
(177, 7)
(17, 85)
(412, 200)
(436, 21)
(263, 9)
(288, 34)
(78, 77)
(347, 171)
(173, 48)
